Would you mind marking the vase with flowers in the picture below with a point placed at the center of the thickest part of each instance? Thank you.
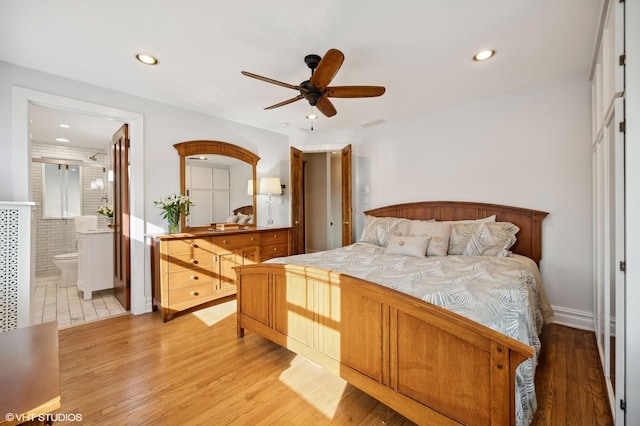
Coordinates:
(174, 205)
(106, 211)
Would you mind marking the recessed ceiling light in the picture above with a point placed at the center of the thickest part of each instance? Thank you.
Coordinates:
(146, 59)
(484, 54)
(64, 126)
(62, 140)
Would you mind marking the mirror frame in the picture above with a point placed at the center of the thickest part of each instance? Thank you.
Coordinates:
(186, 149)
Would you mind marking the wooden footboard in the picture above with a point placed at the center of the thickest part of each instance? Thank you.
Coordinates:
(429, 364)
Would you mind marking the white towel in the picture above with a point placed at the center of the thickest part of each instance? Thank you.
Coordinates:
(86, 223)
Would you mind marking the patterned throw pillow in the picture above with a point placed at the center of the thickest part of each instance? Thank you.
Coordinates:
(482, 239)
(377, 229)
(408, 246)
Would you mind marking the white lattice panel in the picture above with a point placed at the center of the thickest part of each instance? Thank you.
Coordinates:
(9, 237)
(15, 265)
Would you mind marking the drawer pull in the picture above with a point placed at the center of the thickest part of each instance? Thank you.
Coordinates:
(195, 293)
(194, 261)
(194, 245)
(275, 235)
(275, 249)
(224, 241)
(194, 277)
(252, 238)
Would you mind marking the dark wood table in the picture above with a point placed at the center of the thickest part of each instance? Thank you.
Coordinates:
(29, 373)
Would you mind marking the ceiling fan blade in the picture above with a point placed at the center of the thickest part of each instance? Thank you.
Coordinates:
(325, 106)
(327, 69)
(288, 101)
(272, 81)
(354, 91)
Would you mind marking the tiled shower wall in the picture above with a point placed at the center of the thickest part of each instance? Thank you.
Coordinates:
(57, 236)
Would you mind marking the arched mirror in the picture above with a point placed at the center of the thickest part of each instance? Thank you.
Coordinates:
(220, 179)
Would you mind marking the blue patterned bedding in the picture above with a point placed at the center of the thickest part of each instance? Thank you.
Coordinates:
(502, 293)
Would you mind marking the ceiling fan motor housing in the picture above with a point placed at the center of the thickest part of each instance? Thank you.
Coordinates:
(312, 94)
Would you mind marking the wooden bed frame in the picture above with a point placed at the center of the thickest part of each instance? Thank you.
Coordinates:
(244, 210)
(431, 365)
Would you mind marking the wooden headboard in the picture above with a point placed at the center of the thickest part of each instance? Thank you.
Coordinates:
(244, 210)
(529, 221)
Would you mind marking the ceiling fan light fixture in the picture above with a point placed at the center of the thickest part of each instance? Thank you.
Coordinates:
(146, 59)
(484, 54)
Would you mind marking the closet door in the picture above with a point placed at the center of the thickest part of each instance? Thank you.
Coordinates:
(609, 252)
(608, 92)
(617, 366)
(220, 195)
(199, 183)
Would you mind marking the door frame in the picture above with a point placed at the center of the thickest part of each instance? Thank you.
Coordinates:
(314, 150)
(21, 158)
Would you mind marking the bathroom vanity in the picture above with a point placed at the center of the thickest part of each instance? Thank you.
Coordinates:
(195, 268)
(95, 261)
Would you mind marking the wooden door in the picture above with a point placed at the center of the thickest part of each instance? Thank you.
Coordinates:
(347, 207)
(297, 201)
(121, 234)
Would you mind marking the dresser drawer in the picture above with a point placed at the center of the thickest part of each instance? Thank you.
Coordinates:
(272, 237)
(230, 242)
(189, 245)
(189, 261)
(269, 251)
(188, 278)
(196, 294)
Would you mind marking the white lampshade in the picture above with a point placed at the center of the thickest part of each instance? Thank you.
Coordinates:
(270, 185)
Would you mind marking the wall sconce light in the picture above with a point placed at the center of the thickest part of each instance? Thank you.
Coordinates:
(250, 187)
(270, 186)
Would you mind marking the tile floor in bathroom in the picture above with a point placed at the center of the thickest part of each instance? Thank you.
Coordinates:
(67, 306)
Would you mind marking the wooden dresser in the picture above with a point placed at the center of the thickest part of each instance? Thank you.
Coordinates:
(191, 269)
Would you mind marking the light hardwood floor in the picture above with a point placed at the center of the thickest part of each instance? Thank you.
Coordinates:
(193, 370)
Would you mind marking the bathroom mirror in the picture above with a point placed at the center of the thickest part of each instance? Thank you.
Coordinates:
(219, 178)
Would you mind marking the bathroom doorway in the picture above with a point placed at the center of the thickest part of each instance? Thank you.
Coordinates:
(74, 144)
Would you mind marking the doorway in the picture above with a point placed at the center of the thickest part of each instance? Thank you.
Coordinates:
(72, 184)
(22, 182)
(321, 199)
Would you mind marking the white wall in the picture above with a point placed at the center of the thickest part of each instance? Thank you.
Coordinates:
(528, 148)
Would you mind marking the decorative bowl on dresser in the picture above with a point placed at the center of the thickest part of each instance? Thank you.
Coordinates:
(192, 269)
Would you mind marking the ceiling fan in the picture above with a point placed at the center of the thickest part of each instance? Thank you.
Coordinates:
(316, 90)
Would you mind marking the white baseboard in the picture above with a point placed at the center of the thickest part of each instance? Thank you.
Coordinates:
(572, 318)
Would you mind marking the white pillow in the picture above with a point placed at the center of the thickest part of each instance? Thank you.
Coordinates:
(408, 246)
(403, 227)
(377, 229)
(243, 218)
(232, 219)
(438, 231)
(491, 218)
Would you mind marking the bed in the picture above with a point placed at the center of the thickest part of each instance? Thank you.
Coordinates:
(354, 312)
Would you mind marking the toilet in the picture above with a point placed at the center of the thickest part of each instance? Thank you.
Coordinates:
(68, 262)
(68, 265)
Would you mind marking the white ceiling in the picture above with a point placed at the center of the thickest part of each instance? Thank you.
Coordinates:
(420, 50)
